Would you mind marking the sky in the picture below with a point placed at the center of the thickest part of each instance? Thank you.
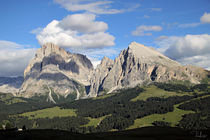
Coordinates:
(180, 29)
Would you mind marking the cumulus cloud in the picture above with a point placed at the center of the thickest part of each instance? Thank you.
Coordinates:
(189, 49)
(77, 31)
(205, 18)
(144, 30)
(84, 23)
(92, 6)
(14, 58)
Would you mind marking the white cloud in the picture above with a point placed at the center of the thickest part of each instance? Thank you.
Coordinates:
(198, 60)
(92, 6)
(189, 49)
(156, 9)
(146, 30)
(14, 58)
(36, 31)
(77, 31)
(205, 18)
(189, 25)
(84, 23)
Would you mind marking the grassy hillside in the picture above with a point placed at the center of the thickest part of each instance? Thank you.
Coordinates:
(172, 118)
(49, 113)
(94, 121)
(10, 99)
(154, 91)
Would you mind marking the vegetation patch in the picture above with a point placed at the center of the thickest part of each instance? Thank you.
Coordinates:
(181, 82)
(9, 99)
(103, 96)
(94, 121)
(50, 113)
(172, 118)
(153, 91)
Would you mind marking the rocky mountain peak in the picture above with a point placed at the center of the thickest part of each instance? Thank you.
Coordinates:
(50, 48)
(142, 51)
(106, 61)
(149, 55)
(139, 64)
(64, 72)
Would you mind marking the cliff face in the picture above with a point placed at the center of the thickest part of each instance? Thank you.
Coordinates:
(138, 65)
(55, 69)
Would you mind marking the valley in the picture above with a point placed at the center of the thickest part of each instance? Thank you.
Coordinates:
(123, 110)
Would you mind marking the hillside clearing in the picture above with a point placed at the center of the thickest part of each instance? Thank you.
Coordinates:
(94, 121)
(9, 99)
(153, 91)
(50, 113)
(171, 117)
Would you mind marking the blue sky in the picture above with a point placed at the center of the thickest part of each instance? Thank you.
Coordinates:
(180, 29)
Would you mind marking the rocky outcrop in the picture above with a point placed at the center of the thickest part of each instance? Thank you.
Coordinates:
(138, 65)
(56, 69)
(99, 75)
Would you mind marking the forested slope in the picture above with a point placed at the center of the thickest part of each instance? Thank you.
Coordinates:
(179, 106)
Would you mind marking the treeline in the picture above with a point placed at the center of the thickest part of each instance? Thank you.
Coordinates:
(199, 120)
(183, 88)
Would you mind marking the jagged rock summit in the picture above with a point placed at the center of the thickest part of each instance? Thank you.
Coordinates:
(149, 55)
(139, 64)
(55, 70)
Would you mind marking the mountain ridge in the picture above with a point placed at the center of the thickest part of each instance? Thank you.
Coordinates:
(139, 64)
(65, 73)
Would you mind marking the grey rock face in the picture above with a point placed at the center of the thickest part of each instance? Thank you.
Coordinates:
(138, 65)
(54, 68)
(99, 75)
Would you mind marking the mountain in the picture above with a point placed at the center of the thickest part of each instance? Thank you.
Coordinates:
(10, 84)
(53, 70)
(139, 64)
(56, 73)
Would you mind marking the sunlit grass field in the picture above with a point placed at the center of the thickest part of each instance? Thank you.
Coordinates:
(153, 91)
(50, 113)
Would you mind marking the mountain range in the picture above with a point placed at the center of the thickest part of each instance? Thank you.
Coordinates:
(56, 71)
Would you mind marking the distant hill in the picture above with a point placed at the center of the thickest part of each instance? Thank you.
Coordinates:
(10, 84)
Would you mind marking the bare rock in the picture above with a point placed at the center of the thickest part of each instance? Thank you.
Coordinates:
(138, 65)
(53, 67)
